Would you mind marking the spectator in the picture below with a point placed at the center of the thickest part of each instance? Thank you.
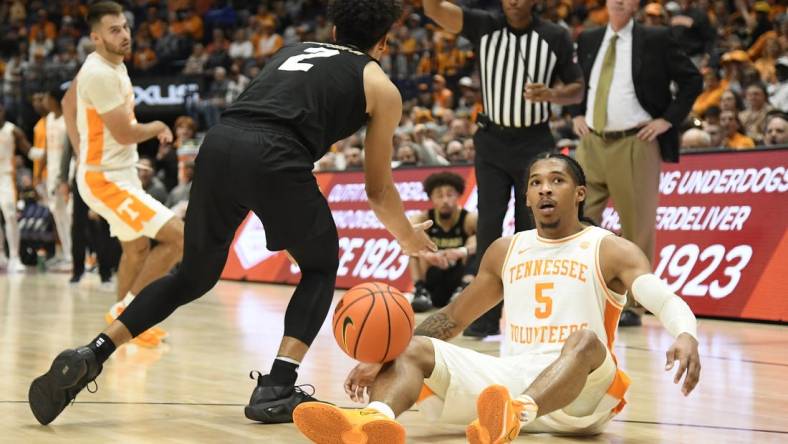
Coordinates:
(654, 15)
(731, 128)
(779, 93)
(470, 100)
(241, 47)
(354, 161)
(716, 135)
(218, 50)
(455, 153)
(442, 95)
(693, 31)
(753, 118)
(734, 64)
(150, 183)
(270, 41)
(178, 199)
(766, 64)
(236, 84)
(407, 156)
(776, 130)
(695, 138)
(144, 57)
(712, 91)
(731, 101)
(213, 103)
(156, 26)
(40, 46)
(43, 28)
(195, 64)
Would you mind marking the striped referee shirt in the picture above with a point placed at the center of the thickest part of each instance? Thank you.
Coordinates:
(509, 59)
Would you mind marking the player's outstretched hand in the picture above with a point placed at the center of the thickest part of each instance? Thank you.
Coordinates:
(165, 135)
(685, 350)
(360, 379)
(418, 242)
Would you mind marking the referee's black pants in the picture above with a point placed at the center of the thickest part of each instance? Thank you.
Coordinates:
(502, 157)
(236, 171)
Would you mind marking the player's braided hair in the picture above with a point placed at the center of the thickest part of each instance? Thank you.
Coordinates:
(444, 178)
(575, 170)
(362, 23)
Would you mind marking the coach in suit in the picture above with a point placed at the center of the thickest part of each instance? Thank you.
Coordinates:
(629, 118)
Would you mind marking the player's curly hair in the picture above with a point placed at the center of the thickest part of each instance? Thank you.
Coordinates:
(573, 168)
(362, 23)
(442, 179)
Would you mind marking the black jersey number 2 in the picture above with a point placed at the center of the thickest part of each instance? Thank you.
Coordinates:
(296, 63)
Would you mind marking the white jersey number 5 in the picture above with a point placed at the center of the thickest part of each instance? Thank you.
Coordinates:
(295, 63)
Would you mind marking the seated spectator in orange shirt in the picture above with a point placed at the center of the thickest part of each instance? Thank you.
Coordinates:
(193, 24)
(270, 41)
(156, 25)
(43, 25)
(407, 44)
(442, 96)
(766, 64)
(734, 138)
(712, 91)
(144, 56)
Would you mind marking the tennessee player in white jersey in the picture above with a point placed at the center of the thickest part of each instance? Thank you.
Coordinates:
(99, 111)
(11, 138)
(563, 286)
(57, 200)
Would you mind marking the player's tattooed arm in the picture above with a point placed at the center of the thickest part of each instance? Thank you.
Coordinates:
(439, 325)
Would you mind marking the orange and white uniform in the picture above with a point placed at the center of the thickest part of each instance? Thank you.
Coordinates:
(8, 188)
(552, 288)
(107, 176)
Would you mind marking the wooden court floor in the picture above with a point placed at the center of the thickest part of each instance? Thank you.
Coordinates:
(194, 388)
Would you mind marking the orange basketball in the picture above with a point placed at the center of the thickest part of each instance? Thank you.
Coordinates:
(373, 322)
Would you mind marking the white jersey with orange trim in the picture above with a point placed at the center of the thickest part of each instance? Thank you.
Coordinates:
(101, 87)
(56, 142)
(553, 288)
(7, 146)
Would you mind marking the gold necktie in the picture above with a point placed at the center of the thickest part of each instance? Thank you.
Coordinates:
(603, 85)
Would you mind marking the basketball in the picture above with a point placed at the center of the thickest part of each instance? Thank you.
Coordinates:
(373, 322)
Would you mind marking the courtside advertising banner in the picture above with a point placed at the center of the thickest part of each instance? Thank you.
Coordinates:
(721, 233)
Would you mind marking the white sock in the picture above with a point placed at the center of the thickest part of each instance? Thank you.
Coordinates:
(290, 360)
(530, 409)
(127, 300)
(382, 408)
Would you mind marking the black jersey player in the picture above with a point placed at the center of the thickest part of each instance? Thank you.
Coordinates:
(259, 158)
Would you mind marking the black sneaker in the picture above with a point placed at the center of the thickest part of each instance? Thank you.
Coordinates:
(422, 300)
(275, 404)
(481, 329)
(51, 392)
(629, 318)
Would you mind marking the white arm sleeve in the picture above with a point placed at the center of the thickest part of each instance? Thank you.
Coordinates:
(670, 309)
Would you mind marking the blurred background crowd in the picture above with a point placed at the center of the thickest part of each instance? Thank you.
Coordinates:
(739, 46)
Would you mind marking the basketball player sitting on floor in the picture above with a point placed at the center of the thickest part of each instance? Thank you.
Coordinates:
(437, 275)
(563, 287)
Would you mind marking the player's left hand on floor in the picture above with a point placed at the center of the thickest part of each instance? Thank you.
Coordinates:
(684, 350)
(360, 379)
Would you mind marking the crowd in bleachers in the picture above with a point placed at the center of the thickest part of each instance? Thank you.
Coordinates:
(739, 45)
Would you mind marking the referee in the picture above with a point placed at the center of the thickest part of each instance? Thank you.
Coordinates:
(525, 64)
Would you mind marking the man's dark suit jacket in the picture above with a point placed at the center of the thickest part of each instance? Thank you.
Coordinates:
(657, 60)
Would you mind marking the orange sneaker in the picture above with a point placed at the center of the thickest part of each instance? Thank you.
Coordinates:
(147, 339)
(499, 417)
(118, 308)
(326, 424)
(160, 332)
